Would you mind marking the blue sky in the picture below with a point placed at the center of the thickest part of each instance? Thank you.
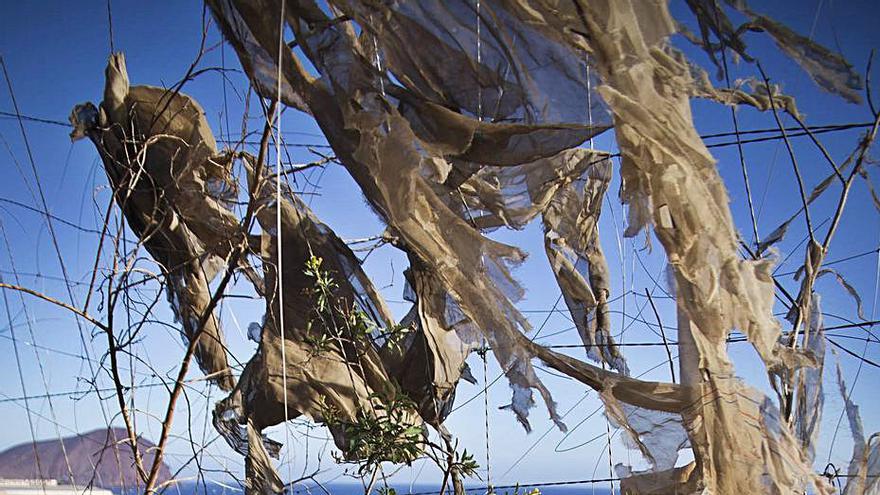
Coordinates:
(55, 54)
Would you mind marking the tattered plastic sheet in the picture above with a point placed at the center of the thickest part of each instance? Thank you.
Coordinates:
(430, 361)
(518, 75)
(810, 395)
(567, 191)
(342, 375)
(863, 472)
(175, 190)
(828, 69)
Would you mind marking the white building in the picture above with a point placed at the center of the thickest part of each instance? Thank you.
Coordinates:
(47, 487)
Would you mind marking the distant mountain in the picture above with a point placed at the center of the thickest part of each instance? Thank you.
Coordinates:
(101, 457)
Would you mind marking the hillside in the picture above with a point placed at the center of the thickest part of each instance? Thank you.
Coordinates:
(100, 457)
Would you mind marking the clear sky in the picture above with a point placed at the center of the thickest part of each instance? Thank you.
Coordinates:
(55, 53)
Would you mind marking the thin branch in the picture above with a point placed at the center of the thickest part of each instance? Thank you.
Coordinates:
(40, 295)
(794, 164)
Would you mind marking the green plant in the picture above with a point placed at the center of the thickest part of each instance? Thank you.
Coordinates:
(382, 429)
(380, 432)
(335, 320)
(464, 464)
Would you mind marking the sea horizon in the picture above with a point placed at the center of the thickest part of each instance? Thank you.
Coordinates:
(213, 487)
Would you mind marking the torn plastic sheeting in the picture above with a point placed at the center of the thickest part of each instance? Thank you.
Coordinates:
(759, 453)
(567, 191)
(162, 162)
(573, 246)
(344, 376)
(658, 435)
(744, 92)
(459, 134)
(260, 475)
(810, 396)
(864, 467)
(253, 47)
(432, 359)
(828, 69)
(518, 75)
(316, 378)
(460, 258)
(512, 196)
(448, 133)
(664, 163)
(676, 480)
(769, 460)
(656, 396)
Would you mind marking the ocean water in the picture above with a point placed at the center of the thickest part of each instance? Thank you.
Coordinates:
(420, 489)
